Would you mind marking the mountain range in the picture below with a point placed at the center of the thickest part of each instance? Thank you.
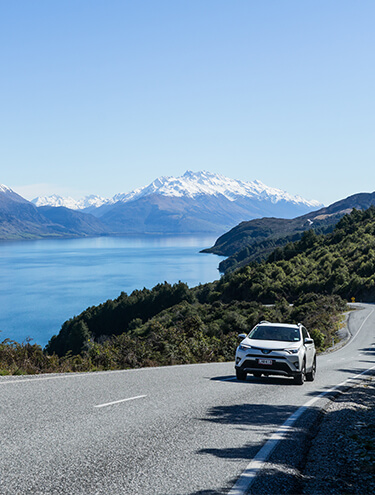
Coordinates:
(197, 202)
(190, 185)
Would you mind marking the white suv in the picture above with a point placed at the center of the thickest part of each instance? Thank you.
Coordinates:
(277, 349)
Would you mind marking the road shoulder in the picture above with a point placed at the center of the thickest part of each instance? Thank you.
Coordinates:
(331, 450)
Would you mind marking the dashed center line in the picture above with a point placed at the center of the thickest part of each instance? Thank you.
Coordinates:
(121, 400)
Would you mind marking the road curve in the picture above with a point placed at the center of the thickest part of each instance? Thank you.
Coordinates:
(174, 430)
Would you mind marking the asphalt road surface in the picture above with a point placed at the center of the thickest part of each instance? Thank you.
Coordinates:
(174, 430)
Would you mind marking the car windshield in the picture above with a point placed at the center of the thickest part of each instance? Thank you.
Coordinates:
(283, 334)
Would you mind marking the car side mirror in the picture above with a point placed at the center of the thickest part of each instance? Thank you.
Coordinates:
(308, 341)
(242, 336)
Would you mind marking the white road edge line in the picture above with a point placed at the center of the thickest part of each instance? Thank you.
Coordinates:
(121, 400)
(248, 476)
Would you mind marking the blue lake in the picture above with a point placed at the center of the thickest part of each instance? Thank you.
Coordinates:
(45, 282)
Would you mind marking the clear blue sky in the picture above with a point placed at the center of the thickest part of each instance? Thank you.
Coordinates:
(104, 96)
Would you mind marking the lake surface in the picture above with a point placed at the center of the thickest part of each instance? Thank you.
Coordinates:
(45, 282)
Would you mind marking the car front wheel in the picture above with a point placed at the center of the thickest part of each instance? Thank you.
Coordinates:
(241, 375)
(300, 379)
(310, 376)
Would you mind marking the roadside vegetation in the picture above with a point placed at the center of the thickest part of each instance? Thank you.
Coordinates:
(307, 281)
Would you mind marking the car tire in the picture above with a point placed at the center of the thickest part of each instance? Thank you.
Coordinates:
(300, 378)
(310, 376)
(241, 375)
(257, 374)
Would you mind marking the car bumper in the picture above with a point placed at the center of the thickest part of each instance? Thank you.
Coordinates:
(281, 367)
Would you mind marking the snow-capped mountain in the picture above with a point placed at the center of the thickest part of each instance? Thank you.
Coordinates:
(190, 185)
(68, 202)
(193, 184)
(9, 197)
(5, 189)
(197, 202)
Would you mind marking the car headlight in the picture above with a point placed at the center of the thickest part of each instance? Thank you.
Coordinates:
(244, 347)
(292, 351)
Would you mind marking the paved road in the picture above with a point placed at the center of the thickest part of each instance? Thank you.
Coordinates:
(182, 430)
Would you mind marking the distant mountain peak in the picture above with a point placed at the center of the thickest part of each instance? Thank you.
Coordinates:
(5, 189)
(68, 202)
(7, 194)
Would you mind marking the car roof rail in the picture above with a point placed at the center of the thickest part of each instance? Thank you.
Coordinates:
(264, 321)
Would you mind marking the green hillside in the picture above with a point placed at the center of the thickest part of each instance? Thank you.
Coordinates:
(256, 239)
(341, 263)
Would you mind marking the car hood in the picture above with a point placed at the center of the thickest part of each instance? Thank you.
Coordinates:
(270, 344)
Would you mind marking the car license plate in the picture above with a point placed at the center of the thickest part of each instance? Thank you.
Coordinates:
(265, 361)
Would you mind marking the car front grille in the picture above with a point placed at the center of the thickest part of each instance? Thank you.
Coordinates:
(275, 366)
(264, 356)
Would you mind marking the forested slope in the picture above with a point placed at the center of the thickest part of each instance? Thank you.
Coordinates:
(256, 239)
(340, 263)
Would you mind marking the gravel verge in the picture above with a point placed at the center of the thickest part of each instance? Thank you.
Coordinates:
(341, 459)
(331, 450)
